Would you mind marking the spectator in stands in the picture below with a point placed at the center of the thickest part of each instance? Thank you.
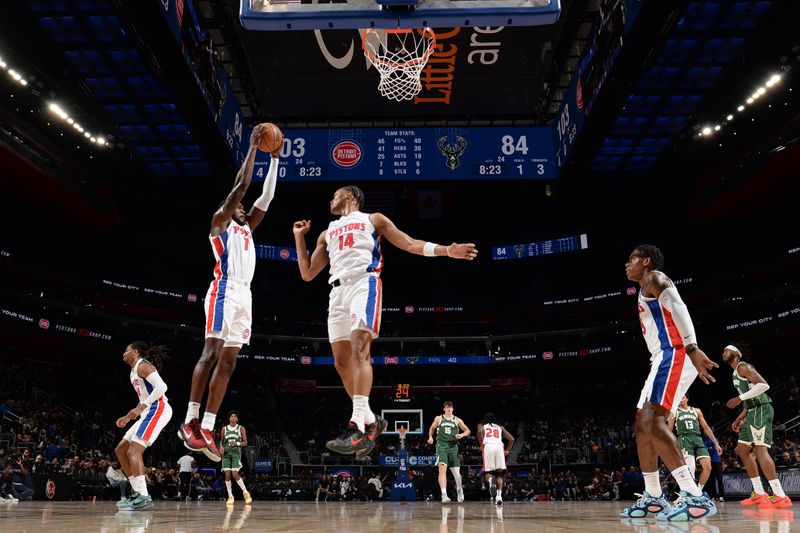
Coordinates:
(16, 472)
(172, 484)
(199, 487)
(39, 465)
(785, 460)
(375, 489)
(632, 482)
(186, 466)
(117, 480)
(796, 461)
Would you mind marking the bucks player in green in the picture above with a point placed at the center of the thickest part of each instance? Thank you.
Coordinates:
(754, 426)
(447, 436)
(687, 422)
(233, 438)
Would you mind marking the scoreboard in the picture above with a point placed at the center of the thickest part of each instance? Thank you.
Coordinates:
(453, 153)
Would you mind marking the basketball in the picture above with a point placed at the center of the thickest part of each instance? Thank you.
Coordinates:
(271, 138)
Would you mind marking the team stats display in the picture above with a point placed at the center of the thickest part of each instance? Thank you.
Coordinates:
(455, 153)
(538, 248)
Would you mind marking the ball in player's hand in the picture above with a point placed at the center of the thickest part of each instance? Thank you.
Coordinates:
(271, 138)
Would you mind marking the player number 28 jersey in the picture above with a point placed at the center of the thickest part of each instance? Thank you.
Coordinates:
(354, 246)
(492, 434)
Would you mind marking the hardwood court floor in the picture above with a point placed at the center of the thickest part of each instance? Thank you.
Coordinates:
(385, 517)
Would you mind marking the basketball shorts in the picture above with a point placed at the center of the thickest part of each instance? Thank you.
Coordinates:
(355, 305)
(231, 461)
(693, 446)
(447, 455)
(229, 313)
(494, 458)
(150, 423)
(671, 375)
(757, 427)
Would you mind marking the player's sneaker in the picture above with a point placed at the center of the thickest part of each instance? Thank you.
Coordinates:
(755, 500)
(644, 505)
(460, 496)
(774, 502)
(191, 436)
(349, 442)
(141, 502)
(127, 503)
(211, 451)
(376, 428)
(688, 507)
(445, 499)
(247, 498)
(230, 500)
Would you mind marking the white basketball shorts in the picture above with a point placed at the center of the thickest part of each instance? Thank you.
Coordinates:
(494, 457)
(145, 431)
(671, 375)
(355, 304)
(229, 311)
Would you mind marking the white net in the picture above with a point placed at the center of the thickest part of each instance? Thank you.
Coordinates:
(399, 56)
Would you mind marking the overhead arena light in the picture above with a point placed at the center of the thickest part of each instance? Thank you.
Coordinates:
(760, 91)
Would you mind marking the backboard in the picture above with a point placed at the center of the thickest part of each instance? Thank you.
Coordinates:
(274, 15)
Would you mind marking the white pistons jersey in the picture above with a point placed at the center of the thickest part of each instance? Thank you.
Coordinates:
(492, 434)
(235, 253)
(354, 246)
(142, 387)
(658, 326)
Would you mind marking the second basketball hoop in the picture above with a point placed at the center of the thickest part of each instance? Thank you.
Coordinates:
(399, 56)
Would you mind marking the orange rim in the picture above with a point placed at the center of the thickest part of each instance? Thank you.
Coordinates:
(422, 59)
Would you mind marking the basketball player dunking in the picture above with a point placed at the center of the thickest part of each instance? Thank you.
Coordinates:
(228, 301)
(155, 413)
(352, 245)
(675, 363)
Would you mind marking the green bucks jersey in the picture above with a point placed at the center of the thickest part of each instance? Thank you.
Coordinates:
(742, 386)
(446, 431)
(686, 422)
(232, 439)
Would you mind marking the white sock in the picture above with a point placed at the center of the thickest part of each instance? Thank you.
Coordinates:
(699, 486)
(758, 488)
(777, 490)
(457, 475)
(369, 416)
(500, 494)
(141, 485)
(240, 482)
(229, 487)
(443, 489)
(685, 480)
(359, 411)
(192, 412)
(209, 419)
(652, 485)
(690, 462)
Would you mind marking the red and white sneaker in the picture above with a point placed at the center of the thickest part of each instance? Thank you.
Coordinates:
(775, 502)
(755, 500)
(211, 451)
(191, 436)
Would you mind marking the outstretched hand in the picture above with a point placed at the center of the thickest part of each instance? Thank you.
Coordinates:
(255, 134)
(462, 251)
(703, 365)
(733, 403)
(301, 227)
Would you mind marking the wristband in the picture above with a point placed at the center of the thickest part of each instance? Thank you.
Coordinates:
(429, 250)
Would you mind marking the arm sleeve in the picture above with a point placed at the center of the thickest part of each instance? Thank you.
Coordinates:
(671, 301)
(755, 390)
(159, 388)
(268, 192)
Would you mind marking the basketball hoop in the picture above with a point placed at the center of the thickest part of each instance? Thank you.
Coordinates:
(399, 56)
(402, 432)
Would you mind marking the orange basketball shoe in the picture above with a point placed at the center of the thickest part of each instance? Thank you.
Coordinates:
(775, 502)
(755, 500)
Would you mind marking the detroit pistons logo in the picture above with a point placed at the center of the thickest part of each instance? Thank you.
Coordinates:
(346, 154)
(246, 334)
(50, 489)
(284, 253)
(352, 319)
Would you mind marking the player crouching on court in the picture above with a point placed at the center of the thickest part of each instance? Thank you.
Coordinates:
(155, 413)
